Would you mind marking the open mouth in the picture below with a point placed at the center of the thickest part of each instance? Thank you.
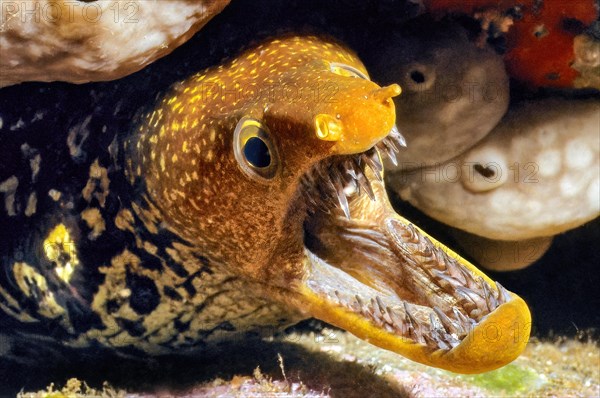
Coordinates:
(378, 276)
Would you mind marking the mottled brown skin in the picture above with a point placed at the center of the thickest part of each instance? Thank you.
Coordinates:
(159, 241)
(254, 227)
(174, 235)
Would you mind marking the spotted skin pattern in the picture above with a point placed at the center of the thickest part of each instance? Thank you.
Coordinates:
(113, 236)
(148, 226)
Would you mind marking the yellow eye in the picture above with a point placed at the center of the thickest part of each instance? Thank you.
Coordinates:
(347, 70)
(254, 150)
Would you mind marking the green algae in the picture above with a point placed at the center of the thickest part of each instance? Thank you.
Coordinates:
(334, 364)
(511, 379)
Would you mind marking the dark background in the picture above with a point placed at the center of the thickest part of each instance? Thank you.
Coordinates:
(561, 288)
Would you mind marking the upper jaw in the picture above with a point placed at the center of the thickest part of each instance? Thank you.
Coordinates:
(373, 273)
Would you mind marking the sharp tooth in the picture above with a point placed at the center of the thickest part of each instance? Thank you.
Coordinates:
(449, 324)
(490, 300)
(359, 301)
(437, 337)
(366, 185)
(435, 322)
(344, 204)
(358, 305)
(410, 318)
(338, 185)
(374, 309)
(451, 339)
(413, 325)
(384, 314)
(351, 169)
(430, 341)
(354, 170)
(469, 280)
(398, 136)
(503, 294)
(465, 322)
(396, 320)
(448, 279)
(390, 143)
(452, 268)
(339, 297)
(461, 318)
(391, 154)
(469, 295)
(374, 162)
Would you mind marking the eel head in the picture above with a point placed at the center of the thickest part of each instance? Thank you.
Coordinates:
(270, 166)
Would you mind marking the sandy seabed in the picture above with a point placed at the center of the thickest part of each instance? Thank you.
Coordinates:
(332, 363)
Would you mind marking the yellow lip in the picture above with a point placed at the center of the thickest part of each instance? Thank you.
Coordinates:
(496, 340)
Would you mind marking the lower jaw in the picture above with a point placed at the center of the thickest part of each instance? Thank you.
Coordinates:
(371, 272)
(494, 340)
(371, 299)
(492, 343)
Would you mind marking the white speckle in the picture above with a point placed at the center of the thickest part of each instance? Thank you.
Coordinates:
(210, 155)
(25, 149)
(20, 123)
(1, 123)
(54, 194)
(570, 187)
(37, 116)
(94, 220)
(34, 163)
(9, 187)
(31, 205)
(503, 201)
(533, 207)
(549, 163)
(593, 195)
(77, 136)
(578, 154)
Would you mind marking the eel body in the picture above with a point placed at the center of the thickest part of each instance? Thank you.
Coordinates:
(247, 197)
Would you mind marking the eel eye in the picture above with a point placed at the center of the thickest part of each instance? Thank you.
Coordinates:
(347, 70)
(254, 150)
(419, 77)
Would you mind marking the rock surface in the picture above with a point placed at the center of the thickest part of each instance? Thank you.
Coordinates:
(79, 42)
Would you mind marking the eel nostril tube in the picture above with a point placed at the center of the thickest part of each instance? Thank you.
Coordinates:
(385, 93)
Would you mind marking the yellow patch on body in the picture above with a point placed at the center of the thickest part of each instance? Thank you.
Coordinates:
(60, 249)
(94, 220)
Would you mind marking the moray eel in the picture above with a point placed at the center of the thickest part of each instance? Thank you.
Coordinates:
(534, 176)
(248, 198)
(446, 106)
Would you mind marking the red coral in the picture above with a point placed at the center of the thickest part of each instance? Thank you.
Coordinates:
(540, 44)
